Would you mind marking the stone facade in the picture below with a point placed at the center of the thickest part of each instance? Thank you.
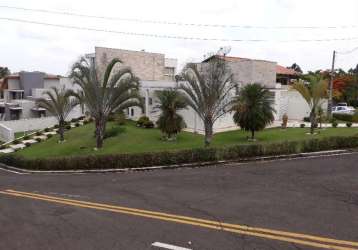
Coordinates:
(147, 66)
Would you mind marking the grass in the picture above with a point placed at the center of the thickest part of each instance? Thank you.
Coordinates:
(81, 141)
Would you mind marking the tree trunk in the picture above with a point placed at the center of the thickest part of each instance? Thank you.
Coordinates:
(252, 134)
(208, 132)
(61, 130)
(100, 130)
(313, 121)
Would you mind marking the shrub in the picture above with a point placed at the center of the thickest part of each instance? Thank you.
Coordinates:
(334, 124)
(49, 135)
(306, 119)
(16, 141)
(111, 118)
(47, 129)
(26, 137)
(148, 124)
(85, 122)
(142, 120)
(120, 118)
(38, 133)
(112, 132)
(3, 147)
(74, 120)
(302, 125)
(68, 127)
(138, 160)
(77, 124)
(349, 124)
(56, 126)
(27, 144)
(38, 139)
(343, 117)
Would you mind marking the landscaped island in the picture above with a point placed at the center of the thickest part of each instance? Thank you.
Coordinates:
(133, 139)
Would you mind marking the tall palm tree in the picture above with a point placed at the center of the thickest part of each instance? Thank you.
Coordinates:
(59, 103)
(313, 93)
(115, 91)
(253, 108)
(170, 101)
(207, 91)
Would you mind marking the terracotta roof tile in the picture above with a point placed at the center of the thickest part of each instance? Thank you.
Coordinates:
(281, 70)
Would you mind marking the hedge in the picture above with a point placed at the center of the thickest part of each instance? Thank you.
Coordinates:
(346, 117)
(138, 160)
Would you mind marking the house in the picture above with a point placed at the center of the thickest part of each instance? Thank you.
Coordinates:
(18, 95)
(285, 76)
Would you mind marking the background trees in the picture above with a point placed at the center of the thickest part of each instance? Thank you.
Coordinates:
(59, 102)
(4, 71)
(207, 91)
(170, 122)
(313, 93)
(253, 108)
(115, 91)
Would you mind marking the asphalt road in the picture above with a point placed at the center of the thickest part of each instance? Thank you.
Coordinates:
(316, 197)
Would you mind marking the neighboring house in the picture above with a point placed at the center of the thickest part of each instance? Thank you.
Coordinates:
(18, 95)
(285, 76)
(147, 66)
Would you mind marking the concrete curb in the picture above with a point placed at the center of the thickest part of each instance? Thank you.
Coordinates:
(187, 165)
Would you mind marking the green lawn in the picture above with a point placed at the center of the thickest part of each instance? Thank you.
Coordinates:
(80, 141)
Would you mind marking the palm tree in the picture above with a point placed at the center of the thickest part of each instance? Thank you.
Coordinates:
(207, 91)
(313, 93)
(115, 91)
(253, 108)
(170, 101)
(59, 103)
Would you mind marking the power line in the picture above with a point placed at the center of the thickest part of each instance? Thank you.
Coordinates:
(170, 36)
(57, 12)
(347, 51)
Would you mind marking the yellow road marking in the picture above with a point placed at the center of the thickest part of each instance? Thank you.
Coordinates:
(252, 231)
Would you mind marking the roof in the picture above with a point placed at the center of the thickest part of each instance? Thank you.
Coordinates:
(234, 59)
(47, 76)
(281, 70)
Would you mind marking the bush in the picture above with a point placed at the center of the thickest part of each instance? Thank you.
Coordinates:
(38, 139)
(26, 137)
(148, 124)
(49, 136)
(16, 141)
(27, 144)
(142, 120)
(302, 125)
(343, 117)
(74, 120)
(306, 119)
(349, 124)
(112, 132)
(47, 129)
(85, 122)
(77, 124)
(38, 133)
(138, 160)
(3, 147)
(56, 126)
(334, 124)
(68, 127)
(120, 118)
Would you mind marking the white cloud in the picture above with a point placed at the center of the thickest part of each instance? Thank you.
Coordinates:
(34, 47)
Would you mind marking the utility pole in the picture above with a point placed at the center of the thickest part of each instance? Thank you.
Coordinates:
(329, 107)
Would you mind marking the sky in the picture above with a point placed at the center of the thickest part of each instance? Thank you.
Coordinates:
(31, 47)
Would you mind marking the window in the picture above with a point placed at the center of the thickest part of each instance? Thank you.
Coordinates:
(150, 101)
(132, 112)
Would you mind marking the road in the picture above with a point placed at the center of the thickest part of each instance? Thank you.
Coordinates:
(316, 198)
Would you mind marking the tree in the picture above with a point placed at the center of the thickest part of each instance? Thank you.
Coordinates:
(170, 101)
(58, 102)
(296, 68)
(4, 71)
(253, 108)
(207, 91)
(313, 93)
(115, 91)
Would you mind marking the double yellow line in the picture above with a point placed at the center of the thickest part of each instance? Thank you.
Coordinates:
(297, 238)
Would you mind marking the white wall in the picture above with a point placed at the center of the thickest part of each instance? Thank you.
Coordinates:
(6, 133)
